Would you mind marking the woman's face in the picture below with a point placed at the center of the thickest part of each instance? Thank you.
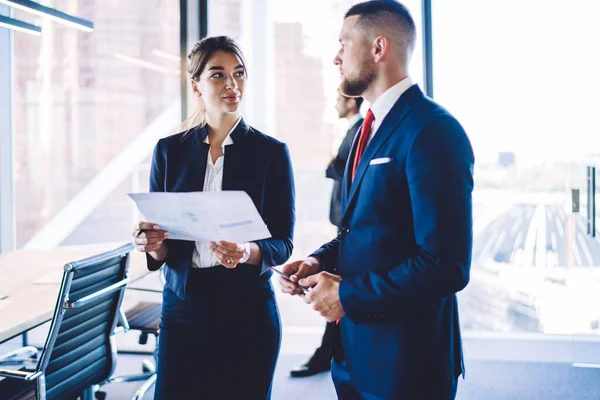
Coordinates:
(221, 84)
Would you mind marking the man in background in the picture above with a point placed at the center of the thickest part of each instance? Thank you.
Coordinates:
(348, 108)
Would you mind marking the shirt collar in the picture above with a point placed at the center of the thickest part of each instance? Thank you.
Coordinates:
(382, 106)
(228, 140)
(353, 120)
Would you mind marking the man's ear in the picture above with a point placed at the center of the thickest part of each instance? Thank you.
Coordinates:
(381, 47)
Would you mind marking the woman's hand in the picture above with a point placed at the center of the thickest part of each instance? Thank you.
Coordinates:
(229, 254)
(149, 238)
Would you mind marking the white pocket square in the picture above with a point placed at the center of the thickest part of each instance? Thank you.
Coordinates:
(382, 160)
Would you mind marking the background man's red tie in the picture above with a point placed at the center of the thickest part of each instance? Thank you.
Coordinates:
(365, 134)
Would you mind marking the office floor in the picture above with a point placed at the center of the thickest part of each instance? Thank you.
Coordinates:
(485, 381)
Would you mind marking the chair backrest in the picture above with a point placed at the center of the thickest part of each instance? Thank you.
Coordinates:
(79, 350)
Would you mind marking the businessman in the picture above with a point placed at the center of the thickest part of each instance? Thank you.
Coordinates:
(391, 275)
(348, 108)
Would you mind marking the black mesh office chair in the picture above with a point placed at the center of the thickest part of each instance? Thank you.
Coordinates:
(79, 351)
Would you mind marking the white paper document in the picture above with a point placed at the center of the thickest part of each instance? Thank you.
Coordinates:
(203, 216)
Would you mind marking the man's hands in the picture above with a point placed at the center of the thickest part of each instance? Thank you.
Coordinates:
(324, 293)
(297, 270)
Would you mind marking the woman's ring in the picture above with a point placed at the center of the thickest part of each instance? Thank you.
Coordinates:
(230, 261)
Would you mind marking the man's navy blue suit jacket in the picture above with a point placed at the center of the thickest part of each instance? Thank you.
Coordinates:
(404, 251)
(255, 163)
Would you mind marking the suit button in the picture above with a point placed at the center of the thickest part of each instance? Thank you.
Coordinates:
(347, 230)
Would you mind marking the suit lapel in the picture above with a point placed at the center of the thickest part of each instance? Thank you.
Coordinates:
(196, 151)
(234, 164)
(390, 124)
(346, 179)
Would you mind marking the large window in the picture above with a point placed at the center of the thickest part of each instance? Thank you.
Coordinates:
(88, 108)
(521, 76)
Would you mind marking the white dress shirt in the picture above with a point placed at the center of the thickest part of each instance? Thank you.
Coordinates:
(203, 256)
(382, 106)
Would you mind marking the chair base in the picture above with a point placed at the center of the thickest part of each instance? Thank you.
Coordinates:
(144, 388)
(149, 376)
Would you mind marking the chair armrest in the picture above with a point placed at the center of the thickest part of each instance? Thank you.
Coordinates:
(24, 375)
(94, 296)
(124, 323)
(144, 290)
(119, 329)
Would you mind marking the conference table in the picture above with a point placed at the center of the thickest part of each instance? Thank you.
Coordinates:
(30, 281)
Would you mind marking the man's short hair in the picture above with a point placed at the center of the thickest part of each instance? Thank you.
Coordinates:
(386, 16)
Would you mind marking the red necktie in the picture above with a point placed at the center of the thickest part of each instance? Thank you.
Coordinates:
(365, 134)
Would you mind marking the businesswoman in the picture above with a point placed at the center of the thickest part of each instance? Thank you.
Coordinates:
(220, 328)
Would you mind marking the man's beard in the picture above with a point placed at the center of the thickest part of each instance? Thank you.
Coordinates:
(356, 87)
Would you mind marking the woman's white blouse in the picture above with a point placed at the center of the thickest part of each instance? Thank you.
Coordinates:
(203, 256)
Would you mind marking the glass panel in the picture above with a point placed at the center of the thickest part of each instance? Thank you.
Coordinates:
(521, 77)
(89, 107)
